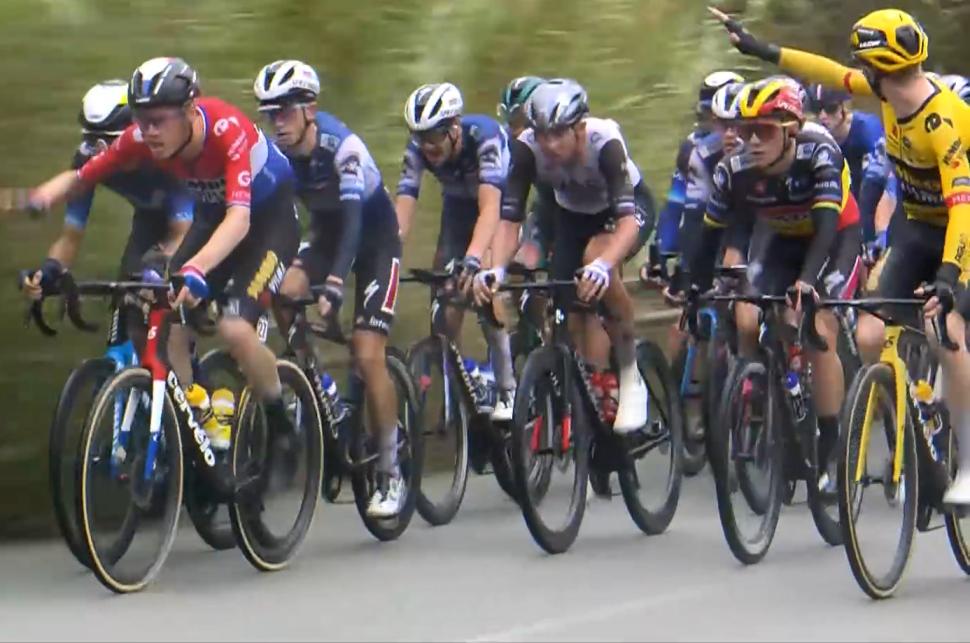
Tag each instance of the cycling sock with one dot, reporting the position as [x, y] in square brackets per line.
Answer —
[501, 355]
[626, 357]
[828, 429]
[388, 452]
[962, 427]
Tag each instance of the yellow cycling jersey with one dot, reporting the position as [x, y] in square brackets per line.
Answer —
[928, 149]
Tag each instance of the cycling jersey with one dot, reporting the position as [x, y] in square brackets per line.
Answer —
[146, 189]
[669, 221]
[484, 159]
[864, 149]
[340, 184]
[928, 149]
[237, 165]
[603, 180]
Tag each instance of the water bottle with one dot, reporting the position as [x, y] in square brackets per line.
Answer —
[329, 387]
[488, 383]
[478, 385]
[929, 415]
[794, 387]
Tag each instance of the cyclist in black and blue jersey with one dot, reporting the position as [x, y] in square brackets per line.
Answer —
[339, 183]
[163, 211]
[669, 220]
[862, 139]
[469, 155]
[959, 85]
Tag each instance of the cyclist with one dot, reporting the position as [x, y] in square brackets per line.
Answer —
[670, 222]
[340, 184]
[245, 226]
[469, 156]
[959, 85]
[162, 209]
[538, 229]
[605, 214]
[927, 133]
[863, 143]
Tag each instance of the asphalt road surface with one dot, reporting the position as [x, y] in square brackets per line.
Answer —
[482, 578]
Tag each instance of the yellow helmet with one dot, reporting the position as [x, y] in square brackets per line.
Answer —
[889, 40]
[771, 98]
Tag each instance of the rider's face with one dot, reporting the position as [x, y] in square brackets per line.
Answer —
[518, 122]
[438, 145]
[561, 144]
[832, 116]
[764, 140]
[288, 122]
[164, 129]
[729, 136]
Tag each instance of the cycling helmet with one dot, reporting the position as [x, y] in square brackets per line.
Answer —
[286, 82]
[557, 103]
[163, 81]
[104, 109]
[713, 82]
[516, 93]
[431, 106]
[820, 96]
[889, 40]
[724, 103]
[771, 98]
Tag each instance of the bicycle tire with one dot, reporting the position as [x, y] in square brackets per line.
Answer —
[90, 374]
[854, 411]
[412, 466]
[954, 528]
[662, 403]
[542, 363]
[425, 356]
[748, 550]
[266, 551]
[501, 459]
[100, 564]
[694, 456]
[828, 527]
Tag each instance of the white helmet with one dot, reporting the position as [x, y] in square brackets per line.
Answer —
[724, 103]
[286, 81]
[105, 110]
[560, 102]
[959, 85]
[430, 106]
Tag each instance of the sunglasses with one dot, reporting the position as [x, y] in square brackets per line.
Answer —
[273, 112]
[434, 137]
[764, 130]
[831, 109]
[157, 118]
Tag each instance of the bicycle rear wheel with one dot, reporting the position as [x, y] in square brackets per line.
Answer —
[956, 519]
[410, 456]
[747, 460]
[129, 483]
[445, 416]
[691, 409]
[651, 484]
[549, 427]
[866, 459]
[73, 407]
[273, 513]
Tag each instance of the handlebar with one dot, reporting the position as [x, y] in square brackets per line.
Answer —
[330, 330]
[438, 278]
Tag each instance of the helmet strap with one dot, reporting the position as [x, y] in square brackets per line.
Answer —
[455, 140]
[789, 142]
[188, 140]
[306, 128]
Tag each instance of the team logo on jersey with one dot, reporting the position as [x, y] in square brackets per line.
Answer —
[961, 182]
[933, 122]
[804, 151]
[952, 156]
[245, 178]
[222, 125]
[269, 275]
[329, 142]
[370, 291]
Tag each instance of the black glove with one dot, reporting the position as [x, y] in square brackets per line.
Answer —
[335, 295]
[469, 266]
[945, 285]
[51, 272]
[751, 46]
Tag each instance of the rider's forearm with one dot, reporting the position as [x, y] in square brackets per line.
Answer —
[405, 206]
[66, 248]
[223, 241]
[59, 188]
[489, 205]
[884, 211]
[627, 231]
[505, 243]
[176, 232]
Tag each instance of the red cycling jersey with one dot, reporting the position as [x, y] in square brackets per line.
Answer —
[233, 152]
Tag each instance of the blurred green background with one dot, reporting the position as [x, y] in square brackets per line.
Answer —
[641, 61]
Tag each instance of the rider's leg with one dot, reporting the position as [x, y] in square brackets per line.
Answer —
[956, 383]
[369, 348]
[296, 285]
[828, 383]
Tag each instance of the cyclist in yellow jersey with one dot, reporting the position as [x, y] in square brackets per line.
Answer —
[927, 136]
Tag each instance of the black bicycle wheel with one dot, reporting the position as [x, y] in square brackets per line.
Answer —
[749, 448]
[410, 456]
[550, 425]
[73, 406]
[446, 417]
[271, 516]
[877, 573]
[694, 449]
[651, 484]
[128, 511]
[501, 459]
[824, 507]
[217, 369]
[957, 527]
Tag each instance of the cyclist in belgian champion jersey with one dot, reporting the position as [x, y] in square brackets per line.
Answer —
[245, 227]
[927, 136]
[605, 215]
[162, 208]
[469, 156]
[341, 186]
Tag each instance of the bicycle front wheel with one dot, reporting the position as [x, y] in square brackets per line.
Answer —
[129, 482]
[877, 548]
[273, 513]
[550, 434]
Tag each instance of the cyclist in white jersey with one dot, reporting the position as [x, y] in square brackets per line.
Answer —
[605, 215]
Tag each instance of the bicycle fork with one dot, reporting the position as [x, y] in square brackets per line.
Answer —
[890, 355]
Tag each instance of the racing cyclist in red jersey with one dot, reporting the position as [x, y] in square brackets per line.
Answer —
[245, 226]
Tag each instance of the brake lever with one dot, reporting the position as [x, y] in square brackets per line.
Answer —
[72, 304]
[809, 330]
[939, 322]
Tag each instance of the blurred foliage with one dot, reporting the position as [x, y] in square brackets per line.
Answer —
[639, 59]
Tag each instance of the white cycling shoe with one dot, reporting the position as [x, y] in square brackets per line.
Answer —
[503, 406]
[958, 493]
[631, 412]
[387, 503]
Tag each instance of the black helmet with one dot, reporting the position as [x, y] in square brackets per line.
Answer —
[163, 81]
[104, 109]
